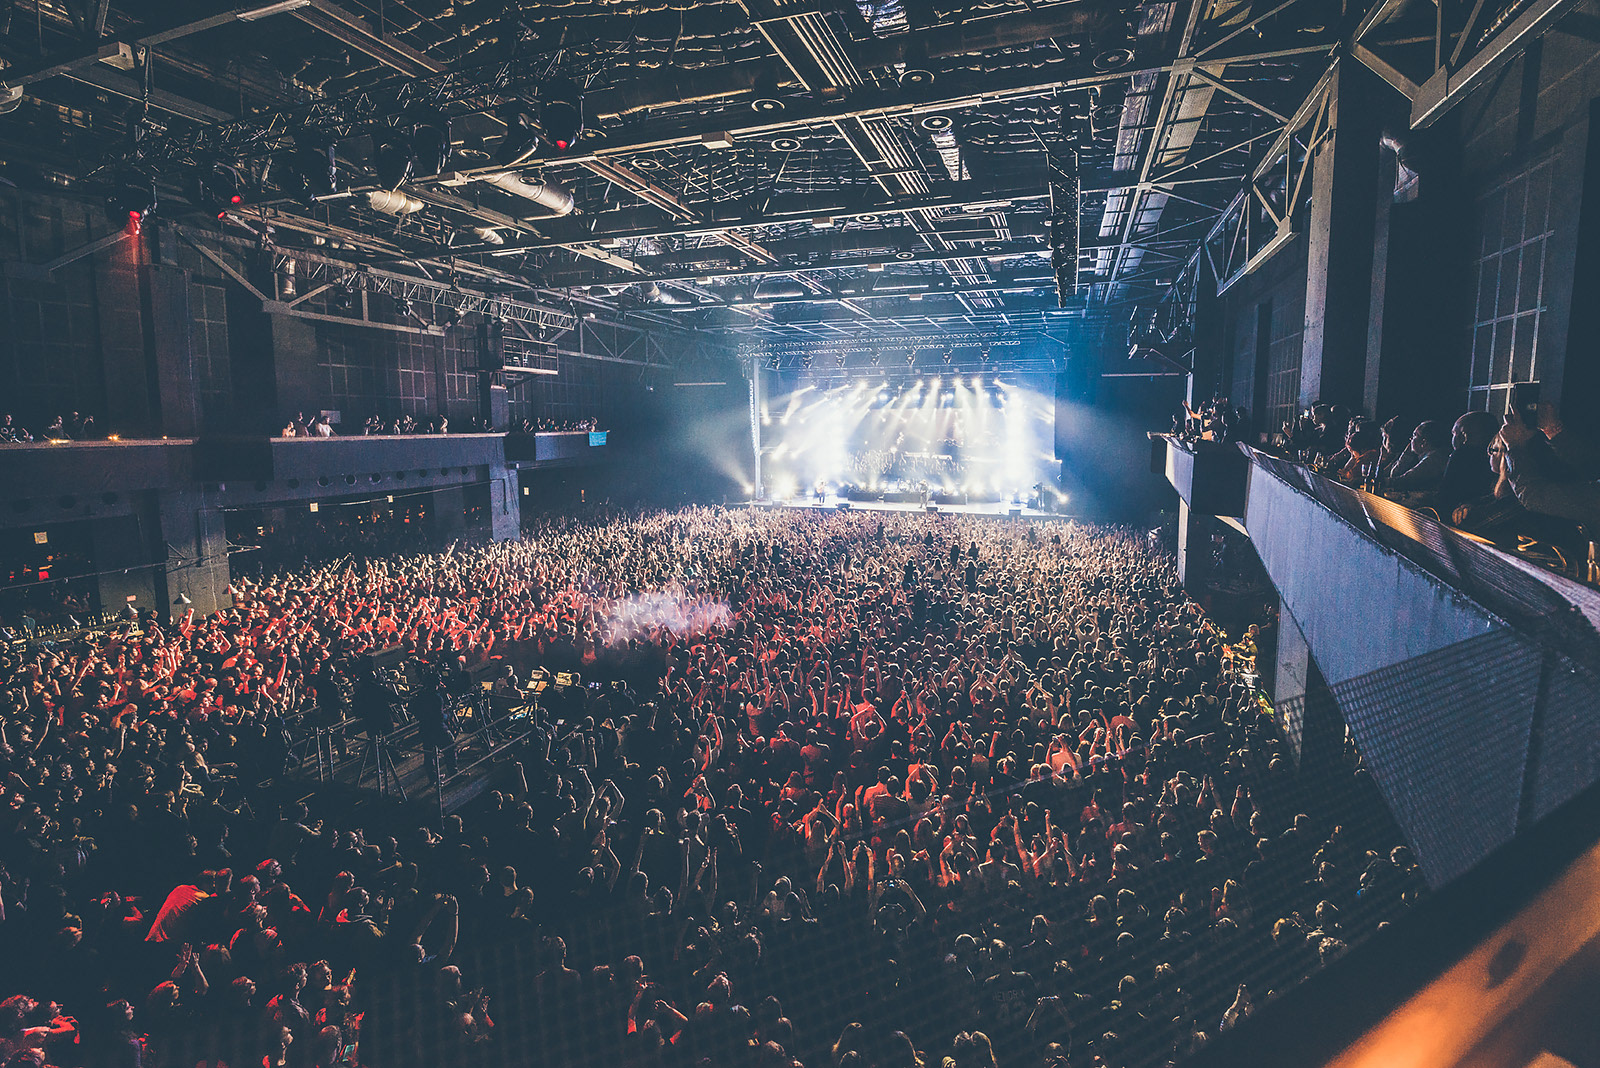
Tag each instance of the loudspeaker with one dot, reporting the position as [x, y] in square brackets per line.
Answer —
[843, 506]
[495, 407]
[933, 507]
[1016, 513]
[491, 346]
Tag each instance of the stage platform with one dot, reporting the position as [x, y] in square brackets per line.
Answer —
[995, 509]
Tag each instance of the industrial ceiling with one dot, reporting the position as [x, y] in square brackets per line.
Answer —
[779, 174]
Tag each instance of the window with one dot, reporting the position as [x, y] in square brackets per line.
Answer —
[1514, 227]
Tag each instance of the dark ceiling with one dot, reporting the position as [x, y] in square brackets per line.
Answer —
[778, 172]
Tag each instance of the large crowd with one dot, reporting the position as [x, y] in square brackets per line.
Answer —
[863, 789]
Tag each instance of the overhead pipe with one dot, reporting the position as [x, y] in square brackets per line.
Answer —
[547, 195]
[394, 202]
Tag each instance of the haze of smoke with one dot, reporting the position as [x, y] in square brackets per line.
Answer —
[646, 612]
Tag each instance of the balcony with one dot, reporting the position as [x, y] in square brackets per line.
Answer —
[1468, 677]
[567, 448]
[1208, 475]
[93, 468]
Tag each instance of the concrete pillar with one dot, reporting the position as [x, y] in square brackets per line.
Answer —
[123, 542]
[1308, 712]
[449, 512]
[1340, 252]
[1194, 548]
[505, 504]
[197, 555]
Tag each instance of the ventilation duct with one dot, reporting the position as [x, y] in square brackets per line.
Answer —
[651, 293]
[393, 202]
[489, 235]
[547, 195]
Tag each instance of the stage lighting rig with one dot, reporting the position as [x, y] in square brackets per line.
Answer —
[561, 113]
[1063, 223]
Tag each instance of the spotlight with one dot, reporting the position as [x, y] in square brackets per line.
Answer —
[131, 199]
[394, 156]
[520, 141]
[561, 113]
[314, 171]
[430, 141]
[217, 190]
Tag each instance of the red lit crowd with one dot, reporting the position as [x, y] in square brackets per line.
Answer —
[869, 790]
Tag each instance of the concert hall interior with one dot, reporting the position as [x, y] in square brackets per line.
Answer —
[799, 533]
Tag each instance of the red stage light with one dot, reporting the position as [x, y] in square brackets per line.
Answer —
[236, 199]
[561, 146]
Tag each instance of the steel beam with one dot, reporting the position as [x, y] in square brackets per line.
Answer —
[351, 29]
[28, 75]
[1441, 91]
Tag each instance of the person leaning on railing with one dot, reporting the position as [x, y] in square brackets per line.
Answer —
[1551, 470]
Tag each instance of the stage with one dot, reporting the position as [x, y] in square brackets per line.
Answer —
[994, 509]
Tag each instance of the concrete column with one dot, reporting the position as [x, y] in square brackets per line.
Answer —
[505, 504]
[1194, 548]
[125, 542]
[1340, 253]
[197, 555]
[1307, 709]
[449, 512]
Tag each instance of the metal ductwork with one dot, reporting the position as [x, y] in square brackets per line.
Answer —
[394, 202]
[651, 293]
[547, 195]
